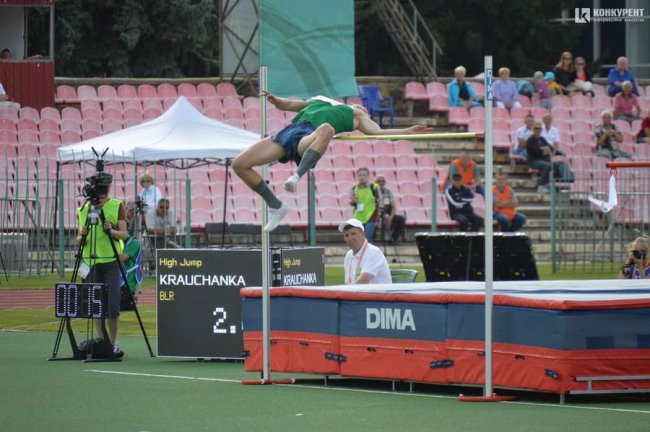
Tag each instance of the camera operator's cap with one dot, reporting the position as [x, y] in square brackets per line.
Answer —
[351, 222]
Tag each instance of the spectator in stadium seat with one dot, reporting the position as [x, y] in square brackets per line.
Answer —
[389, 219]
[461, 93]
[522, 135]
[551, 134]
[553, 86]
[364, 263]
[539, 157]
[4, 100]
[626, 105]
[468, 171]
[304, 141]
[619, 74]
[150, 193]
[505, 90]
[5, 54]
[638, 262]
[161, 224]
[643, 137]
[544, 91]
[459, 199]
[565, 73]
[608, 138]
[505, 205]
[366, 198]
[583, 77]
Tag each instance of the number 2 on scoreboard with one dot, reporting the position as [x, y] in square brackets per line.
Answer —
[219, 312]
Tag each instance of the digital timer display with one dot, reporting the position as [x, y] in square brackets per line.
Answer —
[80, 300]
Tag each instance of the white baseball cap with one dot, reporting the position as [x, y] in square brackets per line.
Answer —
[351, 222]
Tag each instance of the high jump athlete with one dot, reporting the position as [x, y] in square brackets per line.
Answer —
[304, 141]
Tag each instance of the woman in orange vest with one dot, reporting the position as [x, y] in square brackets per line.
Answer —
[505, 203]
[469, 172]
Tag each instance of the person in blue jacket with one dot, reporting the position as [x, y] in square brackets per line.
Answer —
[461, 92]
[618, 75]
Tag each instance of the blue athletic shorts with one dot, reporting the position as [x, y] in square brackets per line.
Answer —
[289, 137]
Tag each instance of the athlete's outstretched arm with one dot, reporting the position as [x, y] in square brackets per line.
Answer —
[285, 104]
[369, 127]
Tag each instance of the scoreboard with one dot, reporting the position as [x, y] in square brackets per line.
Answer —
[198, 302]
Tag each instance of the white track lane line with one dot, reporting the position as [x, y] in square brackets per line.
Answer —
[380, 392]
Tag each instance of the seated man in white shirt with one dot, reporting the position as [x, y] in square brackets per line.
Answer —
[160, 223]
[364, 263]
[551, 134]
[522, 135]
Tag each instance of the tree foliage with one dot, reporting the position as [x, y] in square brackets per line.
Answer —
[519, 35]
[142, 38]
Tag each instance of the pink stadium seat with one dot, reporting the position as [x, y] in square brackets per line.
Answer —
[383, 147]
[383, 161]
[167, 103]
[501, 139]
[132, 104]
[213, 103]
[581, 115]
[70, 137]
[389, 174]
[583, 137]
[581, 101]
[518, 114]
[406, 161]
[477, 112]
[8, 137]
[581, 126]
[50, 113]
[417, 216]
[538, 112]
[66, 94]
[438, 103]
[561, 101]
[623, 126]
[501, 124]
[253, 113]
[252, 124]
[25, 124]
[70, 125]
[214, 113]
[27, 136]
[29, 113]
[196, 102]
[48, 124]
[344, 174]
[127, 91]
[458, 116]
[329, 216]
[560, 112]
[206, 90]
[403, 147]
[426, 161]
[415, 91]
[105, 91]
[132, 114]
[9, 114]
[147, 91]
[92, 113]
[50, 137]
[112, 104]
[501, 113]
[601, 103]
[252, 102]
[226, 89]
[86, 92]
[111, 125]
[152, 104]
[91, 125]
[434, 88]
[188, 90]
[233, 113]
[409, 187]
[524, 101]
[90, 104]
[238, 123]
[166, 90]
[232, 103]
[7, 125]
[112, 114]
[598, 89]
[362, 161]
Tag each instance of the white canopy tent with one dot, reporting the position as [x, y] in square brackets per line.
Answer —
[181, 136]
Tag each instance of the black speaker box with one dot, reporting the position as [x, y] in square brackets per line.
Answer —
[460, 256]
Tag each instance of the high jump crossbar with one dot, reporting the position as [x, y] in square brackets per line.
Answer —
[441, 136]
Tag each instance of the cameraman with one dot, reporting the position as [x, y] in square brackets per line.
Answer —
[638, 264]
[101, 264]
[389, 219]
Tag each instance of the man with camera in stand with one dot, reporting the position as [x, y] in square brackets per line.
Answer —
[100, 264]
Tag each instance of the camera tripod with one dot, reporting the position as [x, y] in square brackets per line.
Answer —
[94, 217]
[382, 230]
